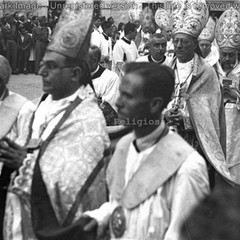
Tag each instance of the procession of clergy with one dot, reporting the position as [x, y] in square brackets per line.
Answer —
[136, 141]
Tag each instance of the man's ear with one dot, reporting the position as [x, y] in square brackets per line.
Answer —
[156, 105]
[76, 73]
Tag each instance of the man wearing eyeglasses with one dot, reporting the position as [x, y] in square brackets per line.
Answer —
[196, 110]
[67, 139]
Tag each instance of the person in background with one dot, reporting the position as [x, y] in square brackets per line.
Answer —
[29, 25]
[24, 43]
[9, 33]
[111, 20]
[121, 27]
[96, 35]
[115, 35]
[106, 45]
[209, 51]
[157, 45]
[125, 49]
[105, 82]
[164, 22]
[15, 115]
[227, 33]
[2, 42]
[40, 36]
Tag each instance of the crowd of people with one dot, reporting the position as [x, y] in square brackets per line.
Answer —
[23, 40]
[136, 135]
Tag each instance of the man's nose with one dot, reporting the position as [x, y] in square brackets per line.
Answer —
[179, 44]
[42, 71]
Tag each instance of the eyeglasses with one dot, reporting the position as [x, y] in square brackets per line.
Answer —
[51, 65]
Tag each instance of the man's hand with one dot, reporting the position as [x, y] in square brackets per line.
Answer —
[11, 154]
[174, 117]
[93, 224]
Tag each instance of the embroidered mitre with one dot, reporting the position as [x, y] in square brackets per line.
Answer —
[71, 37]
[228, 29]
[189, 16]
[208, 33]
[163, 19]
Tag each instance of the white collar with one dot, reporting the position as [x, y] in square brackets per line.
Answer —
[92, 73]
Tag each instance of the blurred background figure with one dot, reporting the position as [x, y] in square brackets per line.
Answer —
[121, 27]
[24, 42]
[164, 22]
[40, 37]
[106, 84]
[125, 49]
[227, 36]
[216, 217]
[9, 33]
[209, 51]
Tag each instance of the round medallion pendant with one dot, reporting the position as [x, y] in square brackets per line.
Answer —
[118, 222]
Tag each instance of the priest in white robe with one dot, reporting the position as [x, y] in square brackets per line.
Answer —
[155, 178]
[157, 50]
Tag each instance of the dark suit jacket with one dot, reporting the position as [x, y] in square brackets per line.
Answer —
[26, 43]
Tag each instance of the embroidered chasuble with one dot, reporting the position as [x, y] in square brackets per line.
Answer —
[65, 165]
[204, 103]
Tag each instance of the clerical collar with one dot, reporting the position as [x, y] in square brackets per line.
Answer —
[126, 40]
[150, 59]
[98, 72]
[143, 143]
[105, 36]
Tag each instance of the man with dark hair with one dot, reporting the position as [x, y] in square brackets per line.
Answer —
[216, 217]
[67, 139]
[105, 82]
[154, 177]
[125, 49]
[110, 20]
[40, 37]
[106, 45]
[24, 42]
[157, 45]
[9, 33]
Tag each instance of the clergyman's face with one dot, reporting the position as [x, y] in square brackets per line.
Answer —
[55, 75]
[228, 58]
[132, 105]
[184, 47]
[205, 47]
[158, 48]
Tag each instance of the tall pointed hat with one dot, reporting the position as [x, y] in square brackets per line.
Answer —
[163, 19]
[228, 29]
[208, 33]
[189, 16]
[71, 37]
[135, 12]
